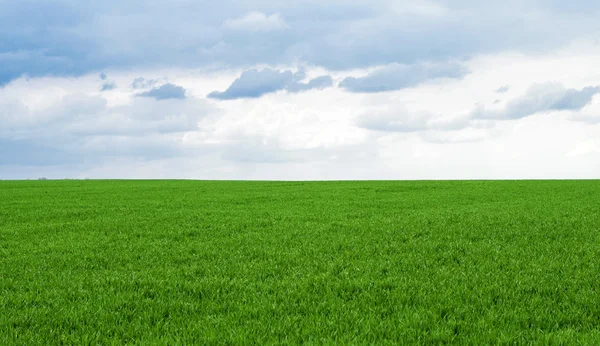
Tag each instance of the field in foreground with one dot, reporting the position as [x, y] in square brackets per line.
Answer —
[182, 262]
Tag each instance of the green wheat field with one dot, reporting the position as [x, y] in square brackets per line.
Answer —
[207, 262]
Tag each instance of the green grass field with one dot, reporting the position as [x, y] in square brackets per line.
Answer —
[190, 262]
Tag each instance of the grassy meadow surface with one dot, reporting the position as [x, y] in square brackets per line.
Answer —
[192, 262]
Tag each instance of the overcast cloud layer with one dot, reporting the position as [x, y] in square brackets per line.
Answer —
[305, 90]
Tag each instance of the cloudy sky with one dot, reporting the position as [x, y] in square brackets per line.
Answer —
[310, 89]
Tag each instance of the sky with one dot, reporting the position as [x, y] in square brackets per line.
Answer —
[303, 90]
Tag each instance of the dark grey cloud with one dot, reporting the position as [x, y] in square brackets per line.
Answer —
[398, 76]
[108, 86]
[574, 99]
[255, 83]
[321, 82]
[541, 98]
[165, 92]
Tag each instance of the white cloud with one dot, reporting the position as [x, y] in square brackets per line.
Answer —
[466, 135]
[400, 119]
[257, 22]
[422, 132]
[81, 114]
[586, 147]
